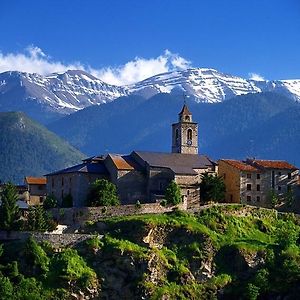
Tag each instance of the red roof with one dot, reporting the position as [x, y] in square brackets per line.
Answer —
[273, 164]
[121, 162]
[36, 180]
[240, 165]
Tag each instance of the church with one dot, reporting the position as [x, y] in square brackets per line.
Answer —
[140, 176]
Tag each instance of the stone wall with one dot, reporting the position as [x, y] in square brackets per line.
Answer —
[56, 240]
[71, 216]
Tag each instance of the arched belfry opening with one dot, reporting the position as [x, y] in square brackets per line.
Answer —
[185, 133]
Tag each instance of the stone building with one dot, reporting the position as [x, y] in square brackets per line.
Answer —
[36, 188]
[250, 181]
[140, 176]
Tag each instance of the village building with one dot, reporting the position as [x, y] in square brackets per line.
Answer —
[252, 180]
[140, 176]
[36, 190]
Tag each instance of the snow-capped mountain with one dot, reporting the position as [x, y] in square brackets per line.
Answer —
[47, 97]
[209, 85]
[62, 92]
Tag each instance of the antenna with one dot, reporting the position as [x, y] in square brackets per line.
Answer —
[184, 98]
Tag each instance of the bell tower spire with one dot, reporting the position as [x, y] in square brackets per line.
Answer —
[185, 133]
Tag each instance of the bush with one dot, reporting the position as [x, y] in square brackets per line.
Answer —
[67, 201]
[102, 193]
[50, 202]
[68, 266]
[173, 194]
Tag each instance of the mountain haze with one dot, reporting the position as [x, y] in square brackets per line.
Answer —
[247, 125]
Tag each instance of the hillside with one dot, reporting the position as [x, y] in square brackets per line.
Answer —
[29, 149]
[242, 126]
[232, 252]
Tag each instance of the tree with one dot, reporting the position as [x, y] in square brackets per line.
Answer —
[289, 197]
[38, 219]
[273, 198]
[67, 201]
[50, 202]
[9, 210]
[102, 193]
[173, 193]
[212, 188]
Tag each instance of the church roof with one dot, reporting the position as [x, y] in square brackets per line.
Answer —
[123, 162]
[185, 110]
[177, 162]
[95, 168]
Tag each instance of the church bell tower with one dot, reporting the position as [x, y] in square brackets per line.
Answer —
[185, 133]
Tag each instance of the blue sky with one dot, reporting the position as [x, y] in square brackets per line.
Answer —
[124, 41]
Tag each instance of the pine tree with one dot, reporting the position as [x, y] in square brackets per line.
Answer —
[9, 210]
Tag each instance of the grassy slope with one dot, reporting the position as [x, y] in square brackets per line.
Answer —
[224, 253]
[28, 148]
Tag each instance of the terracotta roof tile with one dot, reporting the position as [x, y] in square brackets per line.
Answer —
[274, 164]
[35, 180]
[122, 162]
[240, 165]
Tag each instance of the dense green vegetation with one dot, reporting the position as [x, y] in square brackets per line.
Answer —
[225, 252]
[212, 188]
[173, 194]
[29, 149]
[102, 193]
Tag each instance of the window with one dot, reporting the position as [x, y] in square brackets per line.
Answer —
[257, 176]
[248, 187]
[70, 180]
[289, 175]
[189, 134]
[279, 173]
[176, 134]
[258, 187]
[188, 192]
[62, 181]
[40, 187]
[52, 182]
[248, 198]
[249, 176]
[258, 198]
[160, 186]
[41, 199]
[224, 176]
[187, 118]
[279, 188]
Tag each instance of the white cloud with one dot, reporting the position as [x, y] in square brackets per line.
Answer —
[34, 60]
[255, 76]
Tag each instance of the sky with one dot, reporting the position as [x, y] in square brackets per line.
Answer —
[123, 42]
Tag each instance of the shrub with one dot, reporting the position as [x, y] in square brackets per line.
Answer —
[67, 201]
[68, 266]
[50, 202]
[173, 193]
[138, 204]
[102, 193]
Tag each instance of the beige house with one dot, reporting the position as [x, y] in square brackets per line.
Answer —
[251, 181]
[36, 189]
[140, 176]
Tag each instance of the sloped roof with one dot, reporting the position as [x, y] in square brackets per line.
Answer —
[35, 180]
[273, 164]
[177, 162]
[95, 168]
[122, 162]
[240, 165]
[185, 110]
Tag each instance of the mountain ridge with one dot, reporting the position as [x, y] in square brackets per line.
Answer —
[46, 98]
